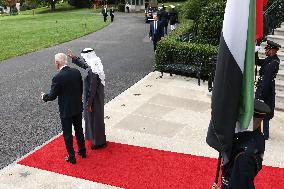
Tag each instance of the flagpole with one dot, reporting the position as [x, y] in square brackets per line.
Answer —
[215, 184]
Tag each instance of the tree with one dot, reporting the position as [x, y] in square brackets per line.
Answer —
[10, 3]
[52, 3]
[32, 3]
[81, 3]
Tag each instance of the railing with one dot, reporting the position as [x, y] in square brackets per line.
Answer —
[186, 37]
[273, 17]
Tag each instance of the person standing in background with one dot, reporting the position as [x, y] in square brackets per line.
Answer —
[156, 31]
[127, 7]
[173, 17]
[104, 13]
[111, 12]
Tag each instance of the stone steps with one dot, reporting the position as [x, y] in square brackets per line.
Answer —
[279, 84]
[277, 39]
[279, 106]
[279, 98]
[280, 75]
[279, 31]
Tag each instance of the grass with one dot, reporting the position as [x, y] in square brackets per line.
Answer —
[27, 33]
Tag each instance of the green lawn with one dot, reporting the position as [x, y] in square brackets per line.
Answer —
[26, 33]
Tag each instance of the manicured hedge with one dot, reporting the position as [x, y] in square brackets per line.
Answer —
[170, 48]
[192, 8]
[209, 25]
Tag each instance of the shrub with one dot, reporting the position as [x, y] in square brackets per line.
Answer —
[14, 11]
[81, 3]
[164, 1]
[169, 48]
[121, 7]
[209, 24]
[192, 8]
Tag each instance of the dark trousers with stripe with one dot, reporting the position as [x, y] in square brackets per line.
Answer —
[67, 133]
[243, 173]
[246, 161]
[105, 18]
[266, 127]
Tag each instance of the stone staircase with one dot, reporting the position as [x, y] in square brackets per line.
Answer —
[278, 37]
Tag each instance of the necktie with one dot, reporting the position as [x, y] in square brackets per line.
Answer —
[155, 26]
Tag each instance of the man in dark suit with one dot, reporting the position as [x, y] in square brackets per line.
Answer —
[164, 17]
[156, 31]
[104, 13]
[111, 12]
[67, 85]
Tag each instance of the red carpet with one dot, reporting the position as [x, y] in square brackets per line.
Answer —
[135, 167]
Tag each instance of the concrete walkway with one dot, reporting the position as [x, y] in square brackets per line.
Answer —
[169, 113]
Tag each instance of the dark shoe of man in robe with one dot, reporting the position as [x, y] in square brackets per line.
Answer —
[82, 154]
[95, 147]
[70, 159]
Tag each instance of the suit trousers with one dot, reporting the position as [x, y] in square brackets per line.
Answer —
[67, 133]
[155, 44]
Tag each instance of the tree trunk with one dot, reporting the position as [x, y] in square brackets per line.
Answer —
[52, 5]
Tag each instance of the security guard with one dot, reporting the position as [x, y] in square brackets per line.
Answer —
[247, 153]
[265, 86]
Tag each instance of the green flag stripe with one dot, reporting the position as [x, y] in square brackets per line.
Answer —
[247, 93]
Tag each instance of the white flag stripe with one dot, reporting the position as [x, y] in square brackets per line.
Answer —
[235, 28]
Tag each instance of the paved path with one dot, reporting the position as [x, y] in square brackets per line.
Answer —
[26, 122]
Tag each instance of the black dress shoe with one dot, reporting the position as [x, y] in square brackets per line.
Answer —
[82, 154]
[70, 159]
[95, 147]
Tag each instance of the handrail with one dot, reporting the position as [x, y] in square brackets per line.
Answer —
[273, 17]
[272, 6]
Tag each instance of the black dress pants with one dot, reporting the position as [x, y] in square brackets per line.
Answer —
[67, 133]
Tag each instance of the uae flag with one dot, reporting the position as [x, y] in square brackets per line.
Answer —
[233, 93]
[259, 19]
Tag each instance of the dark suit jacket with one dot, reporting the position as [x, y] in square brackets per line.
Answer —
[67, 85]
[266, 82]
[159, 32]
[104, 12]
